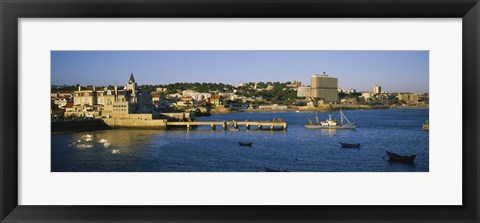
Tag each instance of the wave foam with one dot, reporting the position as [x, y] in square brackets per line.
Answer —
[84, 146]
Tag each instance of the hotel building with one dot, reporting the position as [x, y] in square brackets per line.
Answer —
[324, 86]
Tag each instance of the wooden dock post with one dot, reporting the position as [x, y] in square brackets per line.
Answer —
[271, 126]
[259, 126]
[213, 126]
[224, 126]
[247, 126]
[235, 125]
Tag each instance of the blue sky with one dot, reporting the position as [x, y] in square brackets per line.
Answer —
[395, 71]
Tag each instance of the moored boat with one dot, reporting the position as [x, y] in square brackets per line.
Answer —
[245, 143]
[274, 170]
[393, 157]
[426, 125]
[331, 123]
[350, 145]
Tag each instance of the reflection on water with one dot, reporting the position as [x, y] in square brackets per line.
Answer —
[328, 132]
[205, 150]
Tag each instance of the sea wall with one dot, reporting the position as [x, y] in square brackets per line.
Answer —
[220, 110]
[81, 114]
[70, 126]
[160, 124]
[175, 116]
[134, 116]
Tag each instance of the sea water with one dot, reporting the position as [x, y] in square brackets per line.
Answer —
[295, 150]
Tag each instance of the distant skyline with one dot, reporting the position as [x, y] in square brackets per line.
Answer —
[394, 71]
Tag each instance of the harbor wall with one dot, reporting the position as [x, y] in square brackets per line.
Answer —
[182, 116]
[81, 114]
[135, 121]
[220, 110]
[160, 124]
[71, 126]
[135, 116]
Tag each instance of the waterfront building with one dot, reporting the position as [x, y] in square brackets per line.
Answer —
[376, 89]
[303, 92]
[216, 100]
[131, 89]
[109, 102]
[61, 101]
[367, 95]
[324, 86]
[69, 107]
[156, 96]
[273, 107]
[351, 91]
[238, 105]
[409, 98]
[197, 96]
[107, 96]
[144, 102]
[116, 102]
[85, 97]
[56, 93]
[185, 101]
[228, 96]
[55, 110]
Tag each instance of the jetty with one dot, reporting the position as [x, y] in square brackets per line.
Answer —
[259, 125]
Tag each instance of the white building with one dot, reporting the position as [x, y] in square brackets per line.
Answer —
[376, 89]
[303, 92]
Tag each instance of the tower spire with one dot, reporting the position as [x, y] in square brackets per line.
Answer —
[132, 79]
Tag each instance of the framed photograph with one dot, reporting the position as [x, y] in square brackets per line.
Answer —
[239, 111]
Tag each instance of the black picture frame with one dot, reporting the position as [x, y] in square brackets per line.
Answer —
[11, 11]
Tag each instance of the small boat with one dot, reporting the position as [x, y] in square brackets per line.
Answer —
[274, 170]
[233, 129]
[331, 123]
[426, 126]
[393, 157]
[245, 143]
[349, 145]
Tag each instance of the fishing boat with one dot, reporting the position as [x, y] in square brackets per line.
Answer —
[393, 157]
[245, 143]
[350, 145]
[426, 126]
[274, 170]
[331, 123]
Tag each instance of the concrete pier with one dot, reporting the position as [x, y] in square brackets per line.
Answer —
[271, 125]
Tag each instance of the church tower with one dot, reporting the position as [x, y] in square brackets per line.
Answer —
[132, 88]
